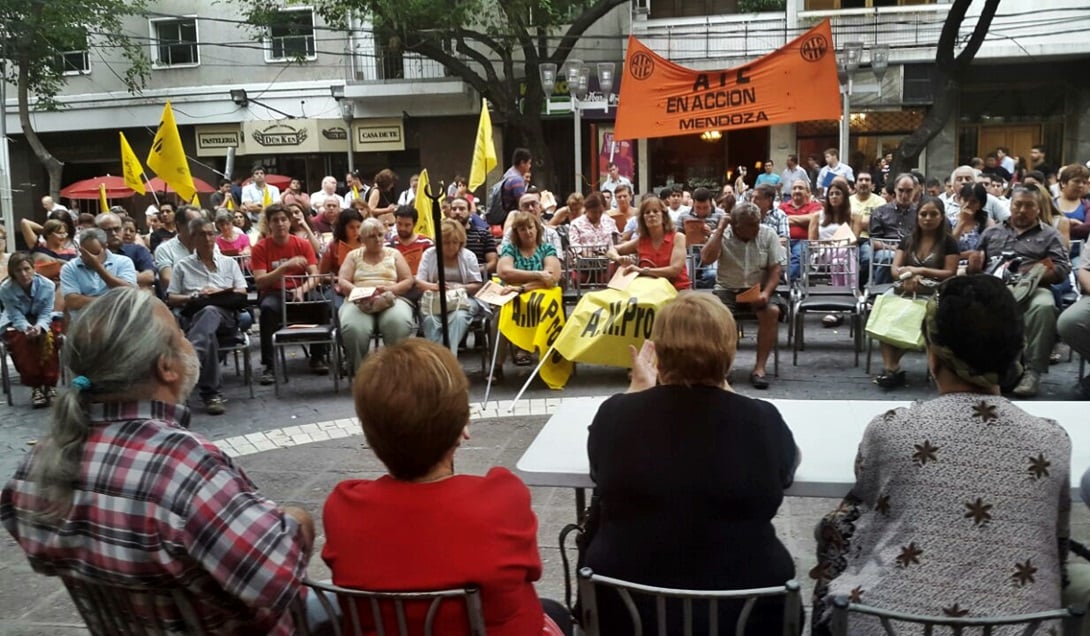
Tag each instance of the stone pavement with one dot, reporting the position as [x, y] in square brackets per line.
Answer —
[298, 446]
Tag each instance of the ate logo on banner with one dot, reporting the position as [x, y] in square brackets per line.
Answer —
[642, 66]
[814, 48]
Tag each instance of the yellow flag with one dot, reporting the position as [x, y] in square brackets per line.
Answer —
[167, 156]
[130, 166]
[422, 204]
[484, 150]
[230, 204]
[266, 197]
[196, 200]
[103, 204]
[355, 192]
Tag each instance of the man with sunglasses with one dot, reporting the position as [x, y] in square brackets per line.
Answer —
[890, 223]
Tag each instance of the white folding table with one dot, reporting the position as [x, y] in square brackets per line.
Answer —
[826, 431]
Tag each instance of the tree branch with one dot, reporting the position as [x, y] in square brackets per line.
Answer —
[460, 68]
[980, 31]
[581, 24]
[518, 28]
[477, 56]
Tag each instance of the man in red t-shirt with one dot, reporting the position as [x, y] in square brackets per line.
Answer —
[800, 208]
[278, 255]
[407, 241]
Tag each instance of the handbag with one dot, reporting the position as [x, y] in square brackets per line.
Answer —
[898, 321]
[377, 303]
[430, 304]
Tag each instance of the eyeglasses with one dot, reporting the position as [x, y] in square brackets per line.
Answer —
[905, 190]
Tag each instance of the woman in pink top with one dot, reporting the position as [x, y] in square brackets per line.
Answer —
[231, 240]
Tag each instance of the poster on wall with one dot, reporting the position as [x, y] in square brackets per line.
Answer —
[622, 152]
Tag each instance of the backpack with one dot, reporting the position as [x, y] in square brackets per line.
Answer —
[494, 212]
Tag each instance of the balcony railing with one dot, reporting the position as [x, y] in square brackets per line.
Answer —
[911, 32]
[716, 37]
[394, 66]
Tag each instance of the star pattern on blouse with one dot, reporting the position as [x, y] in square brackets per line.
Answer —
[1038, 466]
[986, 412]
[882, 505]
[1023, 573]
[909, 554]
[924, 453]
[856, 595]
[978, 512]
[955, 611]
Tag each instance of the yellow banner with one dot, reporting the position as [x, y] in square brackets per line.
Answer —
[130, 167]
[103, 204]
[532, 322]
[167, 156]
[605, 322]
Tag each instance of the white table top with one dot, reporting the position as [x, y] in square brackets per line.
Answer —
[826, 431]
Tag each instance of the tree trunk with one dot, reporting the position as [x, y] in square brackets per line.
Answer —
[53, 166]
[907, 155]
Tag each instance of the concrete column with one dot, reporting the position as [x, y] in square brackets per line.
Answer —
[643, 168]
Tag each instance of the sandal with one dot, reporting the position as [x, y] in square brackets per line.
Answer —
[758, 381]
[891, 379]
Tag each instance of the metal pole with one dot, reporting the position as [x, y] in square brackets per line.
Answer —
[437, 217]
[348, 125]
[6, 205]
[845, 119]
[578, 145]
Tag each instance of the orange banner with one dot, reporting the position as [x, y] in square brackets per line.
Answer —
[795, 83]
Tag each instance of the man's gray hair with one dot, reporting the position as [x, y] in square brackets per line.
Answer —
[106, 216]
[89, 234]
[954, 172]
[115, 344]
[745, 211]
[223, 215]
[371, 225]
[195, 225]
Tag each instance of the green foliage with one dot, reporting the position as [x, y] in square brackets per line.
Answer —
[36, 32]
[761, 6]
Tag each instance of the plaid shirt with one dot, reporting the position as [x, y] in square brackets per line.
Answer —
[157, 506]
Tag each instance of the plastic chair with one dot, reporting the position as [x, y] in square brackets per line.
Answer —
[828, 284]
[1071, 620]
[298, 326]
[379, 606]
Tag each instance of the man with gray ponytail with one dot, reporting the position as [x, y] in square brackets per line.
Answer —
[120, 493]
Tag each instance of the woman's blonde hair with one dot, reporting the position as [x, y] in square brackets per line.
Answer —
[370, 226]
[521, 220]
[454, 231]
[695, 340]
[412, 399]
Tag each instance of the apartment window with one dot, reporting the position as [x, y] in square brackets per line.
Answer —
[290, 36]
[75, 60]
[175, 43]
[832, 5]
[691, 8]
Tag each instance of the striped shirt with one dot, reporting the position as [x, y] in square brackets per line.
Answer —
[156, 506]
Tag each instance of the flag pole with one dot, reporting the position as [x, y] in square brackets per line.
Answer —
[147, 182]
[492, 369]
[540, 363]
[436, 216]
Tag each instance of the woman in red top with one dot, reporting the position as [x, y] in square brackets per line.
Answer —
[659, 250]
[422, 527]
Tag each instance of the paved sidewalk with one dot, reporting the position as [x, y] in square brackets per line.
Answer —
[298, 446]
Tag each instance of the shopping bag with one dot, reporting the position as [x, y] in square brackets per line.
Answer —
[897, 321]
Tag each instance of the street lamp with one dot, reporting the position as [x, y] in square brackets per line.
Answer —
[577, 74]
[848, 60]
[348, 113]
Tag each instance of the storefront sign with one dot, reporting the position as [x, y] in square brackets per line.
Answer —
[281, 137]
[332, 135]
[795, 83]
[213, 141]
[375, 135]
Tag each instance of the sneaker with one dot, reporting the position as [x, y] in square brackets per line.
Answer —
[1028, 385]
[51, 393]
[318, 366]
[1057, 355]
[831, 320]
[891, 379]
[267, 377]
[215, 405]
[38, 399]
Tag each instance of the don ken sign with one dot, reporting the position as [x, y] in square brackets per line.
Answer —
[375, 135]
